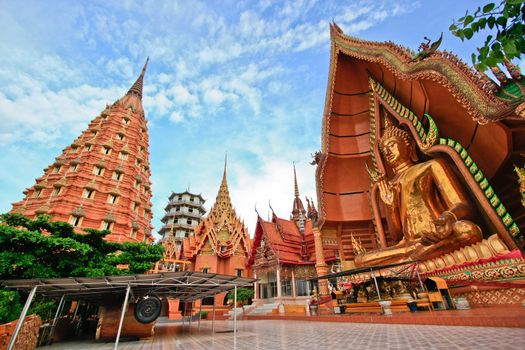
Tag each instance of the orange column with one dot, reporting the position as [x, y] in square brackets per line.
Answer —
[320, 264]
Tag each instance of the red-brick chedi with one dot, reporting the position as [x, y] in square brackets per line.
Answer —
[101, 180]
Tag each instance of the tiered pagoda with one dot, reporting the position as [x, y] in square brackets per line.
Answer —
[284, 256]
[101, 180]
[417, 159]
[183, 213]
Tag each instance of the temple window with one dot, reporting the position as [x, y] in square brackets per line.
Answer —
[135, 207]
[57, 191]
[122, 156]
[223, 248]
[87, 148]
[133, 233]
[73, 167]
[286, 287]
[188, 222]
[204, 270]
[112, 198]
[94, 132]
[106, 150]
[238, 272]
[145, 215]
[57, 169]
[302, 287]
[88, 193]
[121, 136]
[125, 121]
[37, 193]
[138, 162]
[106, 225]
[74, 149]
[98, 170]
[136, 184]
[75, 220]
[117, 175]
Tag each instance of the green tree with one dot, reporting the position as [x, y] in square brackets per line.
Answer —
[507, 19]
[243, 295]
[44, 249]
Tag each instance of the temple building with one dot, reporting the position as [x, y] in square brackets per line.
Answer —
[101, 180]
[416, 165]
[219, 244]
[283, 256]
[183, 212]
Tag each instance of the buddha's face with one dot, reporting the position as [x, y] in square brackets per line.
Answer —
[395, 150]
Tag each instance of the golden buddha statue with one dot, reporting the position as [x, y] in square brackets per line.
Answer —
[426, 207]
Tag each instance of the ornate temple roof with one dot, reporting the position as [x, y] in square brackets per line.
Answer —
[222, 230]
[287, 242]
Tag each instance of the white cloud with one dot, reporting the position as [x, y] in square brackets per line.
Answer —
[247, 79]
[176, 117]
[182, 96]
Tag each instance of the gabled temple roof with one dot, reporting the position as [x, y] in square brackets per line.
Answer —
[286, 241]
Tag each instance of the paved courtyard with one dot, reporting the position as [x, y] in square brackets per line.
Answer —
[313, 335]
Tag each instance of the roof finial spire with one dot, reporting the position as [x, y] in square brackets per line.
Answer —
[137, 87]
[296, 187]
[225, 162]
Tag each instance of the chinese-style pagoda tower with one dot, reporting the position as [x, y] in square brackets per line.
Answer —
[101, 180]
[221, 243]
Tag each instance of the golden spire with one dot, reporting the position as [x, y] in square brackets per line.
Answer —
[296, 187]
[137, 87]
[223, 201]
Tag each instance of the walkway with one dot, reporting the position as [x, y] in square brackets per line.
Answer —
[316, 335]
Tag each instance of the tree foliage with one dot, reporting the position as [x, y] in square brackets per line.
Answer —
[507, 19]
[243, 295]
[51, 249]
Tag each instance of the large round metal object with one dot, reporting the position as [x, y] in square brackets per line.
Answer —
[147, 309]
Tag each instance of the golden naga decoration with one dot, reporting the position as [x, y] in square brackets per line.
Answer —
[521, 180]
[432, 136]
[357, 246]
[427, 209]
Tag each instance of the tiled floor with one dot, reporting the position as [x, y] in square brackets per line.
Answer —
[253, 335]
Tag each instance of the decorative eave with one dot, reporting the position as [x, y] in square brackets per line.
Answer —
[468, 87]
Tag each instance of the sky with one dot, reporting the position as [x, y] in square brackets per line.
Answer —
[244, 77]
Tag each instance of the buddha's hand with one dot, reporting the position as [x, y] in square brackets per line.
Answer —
[443, 228]
[386, 191]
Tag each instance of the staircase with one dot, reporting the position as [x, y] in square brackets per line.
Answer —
[261, 309]
[240, 313]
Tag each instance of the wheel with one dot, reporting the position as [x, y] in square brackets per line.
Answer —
[147, 309]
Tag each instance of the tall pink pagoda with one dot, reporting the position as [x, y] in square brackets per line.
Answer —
[101, 180]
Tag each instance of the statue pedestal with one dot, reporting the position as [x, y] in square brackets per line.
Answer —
[385, 307]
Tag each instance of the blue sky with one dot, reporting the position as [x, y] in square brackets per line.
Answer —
[242, 77]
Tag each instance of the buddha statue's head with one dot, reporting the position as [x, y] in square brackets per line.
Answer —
[397, 147]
